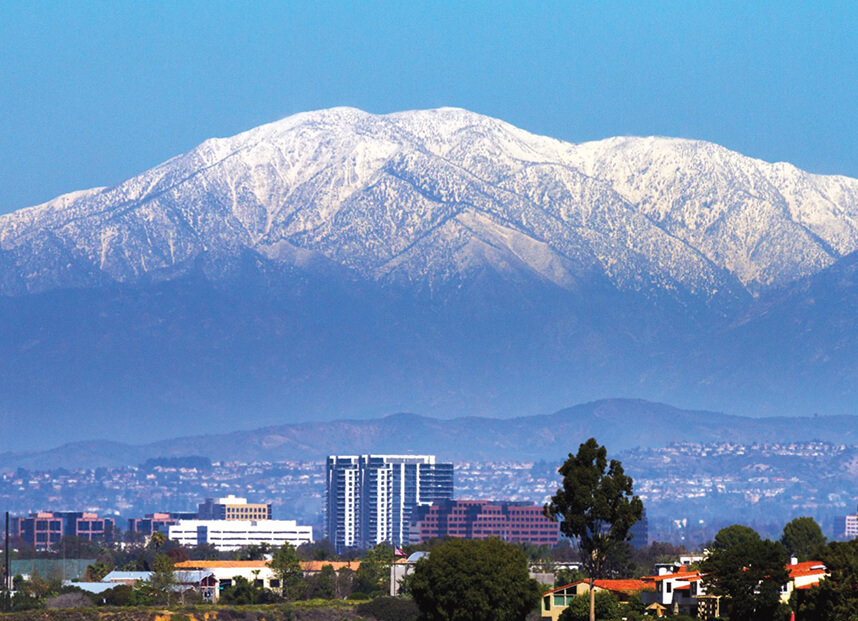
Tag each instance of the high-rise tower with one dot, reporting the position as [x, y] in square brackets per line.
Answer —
[370, 498]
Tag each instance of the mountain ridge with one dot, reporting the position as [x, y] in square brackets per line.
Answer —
[342, 263]
[620, 424]
[282, 183]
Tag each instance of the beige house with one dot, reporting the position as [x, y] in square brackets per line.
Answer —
[554, 602]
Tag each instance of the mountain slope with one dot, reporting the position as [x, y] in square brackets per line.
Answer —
[432, 195]
[338, 263]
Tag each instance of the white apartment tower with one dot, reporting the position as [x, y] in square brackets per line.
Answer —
[370, 497]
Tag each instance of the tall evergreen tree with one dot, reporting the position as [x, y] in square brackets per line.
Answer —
[596, 507]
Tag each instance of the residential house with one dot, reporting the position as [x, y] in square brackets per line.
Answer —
[554, 602]
[221, 574]
[802, 576]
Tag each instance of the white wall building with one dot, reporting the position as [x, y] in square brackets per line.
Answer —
[846, 527]
[235, 534]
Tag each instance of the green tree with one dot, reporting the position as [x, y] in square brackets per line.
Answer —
[243, 592]
[749, 571]
[836, 597]
[568, 576]
[287, 567]
[345, 580]
[253, 552]
[803, 538]
[120, 595]
[607, 607]
[733, 536]
[96, 571]
[373, 575]
[163, 579]
[323, 585]
[157, 540]
[596, 508]
[473, 580]
[322, 550]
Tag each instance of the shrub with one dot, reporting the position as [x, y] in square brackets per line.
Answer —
[390, 609]
[579, 610]
[75, 599]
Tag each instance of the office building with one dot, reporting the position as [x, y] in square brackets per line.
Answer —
[233, 508]
[152, 522]
[515, 522]
[234, 534]
[846, 527]
[44, 529]
[370, 498]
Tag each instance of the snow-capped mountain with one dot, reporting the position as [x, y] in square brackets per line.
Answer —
[431, 196]
[340, 263]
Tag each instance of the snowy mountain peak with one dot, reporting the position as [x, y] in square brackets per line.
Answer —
[436, 196]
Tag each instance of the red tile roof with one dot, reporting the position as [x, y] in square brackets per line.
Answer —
[623, 586]
[808, 568]
[221, 564]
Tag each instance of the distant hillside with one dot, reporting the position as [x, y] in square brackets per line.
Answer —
[618, 423]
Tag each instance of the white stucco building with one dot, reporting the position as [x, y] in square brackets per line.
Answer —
[235, 534]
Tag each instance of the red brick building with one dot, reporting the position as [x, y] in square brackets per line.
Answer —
[515, 522]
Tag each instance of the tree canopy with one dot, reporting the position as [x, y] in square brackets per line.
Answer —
[803, 538]
[607, 608]
[748, 570]
[373, 576]
[836, 597]
[287, 567]
[243, 592]
[163, 579]
[474, 580]
[733, 536]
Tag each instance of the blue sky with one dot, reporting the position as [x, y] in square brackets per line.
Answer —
[94, 92]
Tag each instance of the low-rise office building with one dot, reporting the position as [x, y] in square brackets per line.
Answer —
[846, 527]
[153, 522]
[235, 534]
[516, 522]
[233, 508]
[43, 530]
